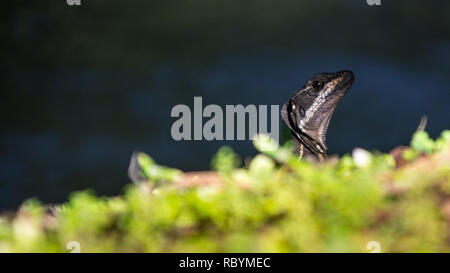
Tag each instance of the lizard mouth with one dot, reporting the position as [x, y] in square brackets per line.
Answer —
[347, 78]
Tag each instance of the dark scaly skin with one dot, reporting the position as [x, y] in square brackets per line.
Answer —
[308, 112]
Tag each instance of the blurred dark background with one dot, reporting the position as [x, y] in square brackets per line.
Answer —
[84, 86]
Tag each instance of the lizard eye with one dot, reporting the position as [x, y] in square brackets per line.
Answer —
[317, 85]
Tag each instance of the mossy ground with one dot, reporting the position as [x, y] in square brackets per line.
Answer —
[275, 204]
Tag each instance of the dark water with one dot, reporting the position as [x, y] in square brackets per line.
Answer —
[82, 89]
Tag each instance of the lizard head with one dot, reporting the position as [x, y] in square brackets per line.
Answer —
[308, 111]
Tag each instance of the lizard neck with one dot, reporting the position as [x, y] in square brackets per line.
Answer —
[308, 148]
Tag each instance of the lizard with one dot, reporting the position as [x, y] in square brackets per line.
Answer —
[308, 111]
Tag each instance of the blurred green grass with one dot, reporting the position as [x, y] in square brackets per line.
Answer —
[275, 204]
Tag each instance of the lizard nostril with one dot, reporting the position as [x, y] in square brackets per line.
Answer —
[347, 73]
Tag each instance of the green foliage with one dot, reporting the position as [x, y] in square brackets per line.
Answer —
[421, 142]
[225, 160]
[278, 204]
[154, 172]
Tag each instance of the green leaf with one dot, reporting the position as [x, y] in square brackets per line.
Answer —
[422, 142]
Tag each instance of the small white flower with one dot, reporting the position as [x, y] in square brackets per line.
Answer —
[361, 157]
[265, 143]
